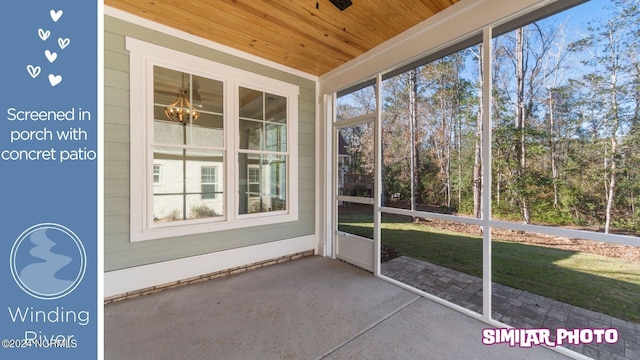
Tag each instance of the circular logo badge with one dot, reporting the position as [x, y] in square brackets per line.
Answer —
[48, 261]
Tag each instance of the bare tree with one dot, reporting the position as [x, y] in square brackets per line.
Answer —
[477, 162]
[519, 145]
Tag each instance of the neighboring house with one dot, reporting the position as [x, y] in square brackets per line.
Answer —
[203, 193]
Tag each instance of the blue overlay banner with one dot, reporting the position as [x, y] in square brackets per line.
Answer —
[49, 180]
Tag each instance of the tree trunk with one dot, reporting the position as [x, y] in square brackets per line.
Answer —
[477, 165]
[554, 165]
[612, 183]
[615, 118]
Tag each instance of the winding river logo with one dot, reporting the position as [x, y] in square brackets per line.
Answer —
[48, 261]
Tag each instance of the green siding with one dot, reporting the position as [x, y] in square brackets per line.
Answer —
[119, 252]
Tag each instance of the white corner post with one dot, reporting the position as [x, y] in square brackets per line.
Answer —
[486, 175]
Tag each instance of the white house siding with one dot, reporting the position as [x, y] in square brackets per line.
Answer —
[119, 252]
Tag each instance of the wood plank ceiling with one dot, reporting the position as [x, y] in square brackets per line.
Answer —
[293, 33]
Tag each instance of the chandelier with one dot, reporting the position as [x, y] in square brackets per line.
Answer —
[181, 110]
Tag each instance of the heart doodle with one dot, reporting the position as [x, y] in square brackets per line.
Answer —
[55, 79]
[51, 56]
[63, 43]
[55, 15]
[34, 71]
[44, 34]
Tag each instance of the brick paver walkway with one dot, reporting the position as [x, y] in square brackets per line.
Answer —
[516, 308]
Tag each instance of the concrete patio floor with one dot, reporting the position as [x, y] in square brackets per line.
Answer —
[515, 307]
[311, 308]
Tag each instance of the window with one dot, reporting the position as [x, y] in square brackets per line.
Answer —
[209, 181]
[262, 152]
[210, 145]
[157, 174]
[188, 134]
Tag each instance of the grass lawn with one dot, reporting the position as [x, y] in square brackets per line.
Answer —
[598, 283]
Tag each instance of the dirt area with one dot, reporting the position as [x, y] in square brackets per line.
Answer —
[626, 252]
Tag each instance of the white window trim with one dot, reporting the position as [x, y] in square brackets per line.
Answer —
[142, 57]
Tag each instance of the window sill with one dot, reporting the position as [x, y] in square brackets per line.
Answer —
[194, 227]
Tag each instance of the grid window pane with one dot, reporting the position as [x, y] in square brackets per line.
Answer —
[190, 184]
[263, 182]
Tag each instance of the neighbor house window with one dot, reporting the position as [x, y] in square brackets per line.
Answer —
[212, 147]
[157, 174]
[209, 181]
